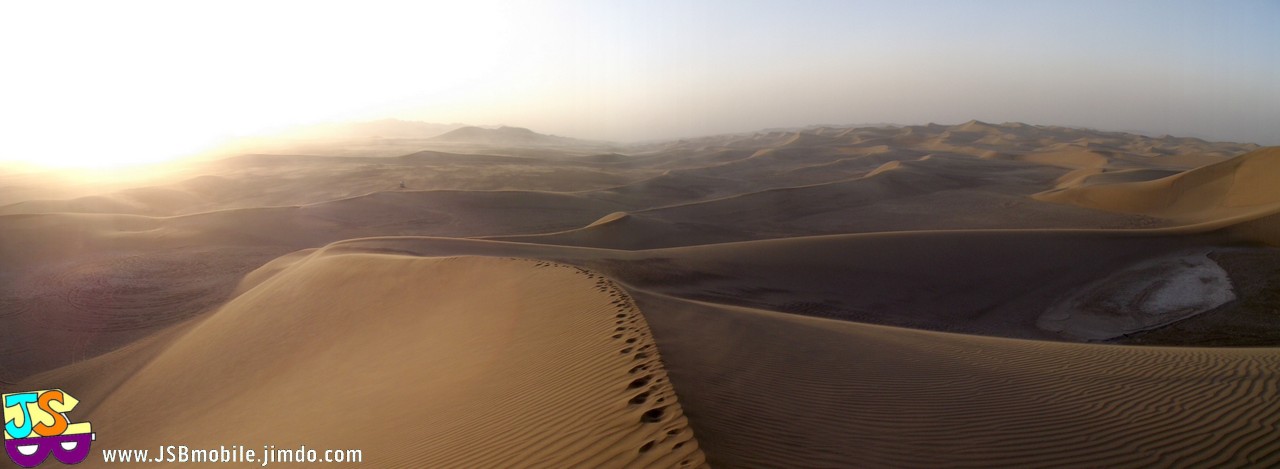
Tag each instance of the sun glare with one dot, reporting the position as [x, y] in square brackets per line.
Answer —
[147, 82]
[106, 152]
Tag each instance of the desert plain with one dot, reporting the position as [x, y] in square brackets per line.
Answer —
[968, 295]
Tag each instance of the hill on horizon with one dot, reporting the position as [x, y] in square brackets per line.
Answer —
[504, 135]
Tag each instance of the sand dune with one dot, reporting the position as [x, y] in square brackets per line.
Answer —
[952, 192]
[450, 213]
[759, 395]
[980, 282]
[555, 367]
[804, 287]
[516, 141]
[1074, 158]
[671, 187]
[1128, 175]
[78, 285]
[764, 389]
[502, 135]
[1239, 186]
[458, 212]
[878, 393]
[753, 171]
[255, 181]
[628, 231]
[116, 278]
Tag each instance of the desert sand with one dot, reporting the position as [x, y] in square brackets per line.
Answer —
[554, 367]
[968, 295]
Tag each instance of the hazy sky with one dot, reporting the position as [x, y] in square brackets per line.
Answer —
[132, 80]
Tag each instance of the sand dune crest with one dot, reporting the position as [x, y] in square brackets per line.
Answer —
[551, 366]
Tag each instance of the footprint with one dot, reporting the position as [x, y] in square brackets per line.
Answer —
[639, 399]
[653, 415]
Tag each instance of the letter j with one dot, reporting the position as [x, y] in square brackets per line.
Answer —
[21, 399]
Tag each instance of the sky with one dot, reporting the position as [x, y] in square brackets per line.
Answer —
[91, 82]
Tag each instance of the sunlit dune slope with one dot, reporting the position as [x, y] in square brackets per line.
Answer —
[419, 362]
[1243, 185]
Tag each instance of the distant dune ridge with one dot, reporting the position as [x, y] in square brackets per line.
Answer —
[501, 136]
[890, 296]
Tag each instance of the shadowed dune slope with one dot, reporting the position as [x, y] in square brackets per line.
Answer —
[980, 282]
[770, 390]
[1243, 185]
[419, 362]
[74, 286]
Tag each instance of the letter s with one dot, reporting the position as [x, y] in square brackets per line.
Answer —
[59, 420]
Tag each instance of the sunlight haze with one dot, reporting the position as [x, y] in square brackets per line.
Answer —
[111, 83]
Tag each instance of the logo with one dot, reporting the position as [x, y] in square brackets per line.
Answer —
[36, 425]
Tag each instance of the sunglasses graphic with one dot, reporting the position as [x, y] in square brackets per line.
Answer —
[67, 449]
